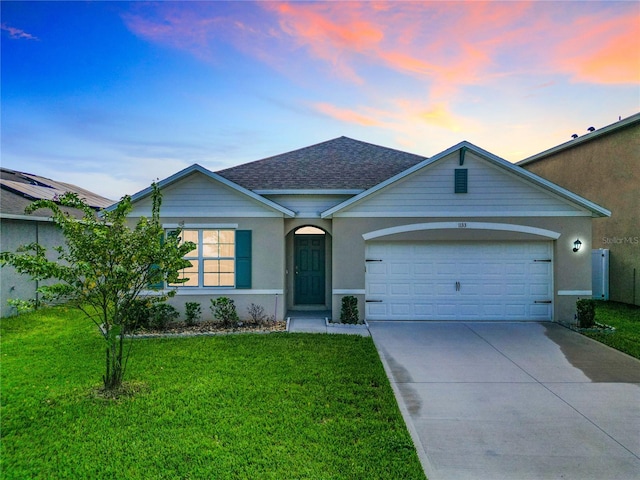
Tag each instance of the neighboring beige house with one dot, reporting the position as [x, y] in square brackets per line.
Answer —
[17, 191]
[604, 166]
[463, 235]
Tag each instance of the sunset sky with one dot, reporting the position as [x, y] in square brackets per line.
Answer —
[112, 95]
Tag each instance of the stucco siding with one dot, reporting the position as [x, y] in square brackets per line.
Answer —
[606, 170]
[491, 191]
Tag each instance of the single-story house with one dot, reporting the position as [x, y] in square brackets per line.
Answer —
[604, 166]
[17, 191]
[463, 235]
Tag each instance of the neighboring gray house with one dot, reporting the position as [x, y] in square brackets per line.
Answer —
[463, 235]
[17, 190]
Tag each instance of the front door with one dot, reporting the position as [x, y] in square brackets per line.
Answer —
[309, 270]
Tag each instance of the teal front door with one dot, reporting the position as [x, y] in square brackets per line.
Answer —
[309, 270]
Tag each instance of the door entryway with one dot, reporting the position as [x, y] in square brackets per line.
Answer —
[309, 265]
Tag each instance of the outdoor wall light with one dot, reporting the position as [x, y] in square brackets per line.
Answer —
[576, 245]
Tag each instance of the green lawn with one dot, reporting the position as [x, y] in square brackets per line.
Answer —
[279, 406]
[626, 320]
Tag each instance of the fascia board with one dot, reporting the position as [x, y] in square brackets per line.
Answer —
[12, 216]
[309, 192]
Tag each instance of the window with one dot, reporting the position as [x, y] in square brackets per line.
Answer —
[212, 261]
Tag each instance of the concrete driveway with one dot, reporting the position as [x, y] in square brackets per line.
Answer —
[513, 401]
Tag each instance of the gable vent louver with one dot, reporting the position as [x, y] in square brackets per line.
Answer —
[460, 180]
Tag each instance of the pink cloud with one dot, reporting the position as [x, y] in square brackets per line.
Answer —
[400, 115]
[179, 28]
[348, 115]
[17, 33]
[605, 51]
[446, 45]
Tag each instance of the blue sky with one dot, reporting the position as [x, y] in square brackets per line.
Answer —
[112, 95]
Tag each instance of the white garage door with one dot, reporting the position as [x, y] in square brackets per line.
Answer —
[459, 281]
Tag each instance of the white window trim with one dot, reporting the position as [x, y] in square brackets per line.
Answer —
[201, 259]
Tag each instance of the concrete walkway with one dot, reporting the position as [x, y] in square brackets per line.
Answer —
[513, 401]
[315, 322]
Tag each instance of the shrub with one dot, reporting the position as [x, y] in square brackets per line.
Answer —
[23, 306]
[161, 315]
[193, 313]
[224, 310]
[139, 313]
[349, 312]
[258, 315]
[586, 312]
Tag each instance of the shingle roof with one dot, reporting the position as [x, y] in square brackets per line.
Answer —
[338, 164]
[19, 189]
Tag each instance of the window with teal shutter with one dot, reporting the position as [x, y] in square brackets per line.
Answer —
[243, 258]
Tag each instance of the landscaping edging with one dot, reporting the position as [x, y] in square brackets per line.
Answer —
[357, 326]
[278, 327]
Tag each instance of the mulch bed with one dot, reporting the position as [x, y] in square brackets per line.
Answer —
[212, 328]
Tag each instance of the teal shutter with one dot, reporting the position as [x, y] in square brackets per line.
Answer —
[243, 258]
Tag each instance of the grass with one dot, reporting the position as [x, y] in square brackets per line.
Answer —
[626, 320]
[234, 407]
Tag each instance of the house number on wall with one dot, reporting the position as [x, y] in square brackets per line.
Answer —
[462, 225]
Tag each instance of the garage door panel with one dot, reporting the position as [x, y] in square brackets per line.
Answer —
[424, 289]
[423, 268]
[377, 310]
[446, 309]
[539, 290]
[541, 311]
[376, 268]
[424, 309]
[459, 281]
[401, 309]
[493, 310]
[493, 289]
[377, 289]
[515, 289]
[492, 268]
[401, 289]
[448, 268]
[514, 269]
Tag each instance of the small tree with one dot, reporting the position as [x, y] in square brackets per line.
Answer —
[104, 267]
